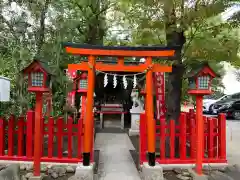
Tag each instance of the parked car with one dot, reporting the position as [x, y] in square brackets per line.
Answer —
[208, 101]
[230, 108]
[227, 101]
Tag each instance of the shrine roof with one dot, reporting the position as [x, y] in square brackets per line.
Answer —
[195, 72]
[129, 48]
[43, 64]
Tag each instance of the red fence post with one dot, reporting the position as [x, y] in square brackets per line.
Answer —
[172, 139]
[50, 137]
[10, 135]
[192, 138]
[162, 138]
[60, 137]
[210, 137]
[205, 135]
[222, 136]
[29, 133]
[215, 139]
[20, 135]
[42, 137]
[143, 138]
[79, 136]
[2, 136]
[192, 113]
[70, 133]
[183, 136]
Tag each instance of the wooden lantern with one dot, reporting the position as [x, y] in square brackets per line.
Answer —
[39, 77]
[81, 83]
[200, 80]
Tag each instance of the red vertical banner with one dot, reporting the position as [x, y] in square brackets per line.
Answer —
[159, 78]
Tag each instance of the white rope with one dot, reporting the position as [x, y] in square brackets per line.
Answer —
[113, 74]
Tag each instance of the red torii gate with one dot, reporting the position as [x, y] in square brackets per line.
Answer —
[92, 51]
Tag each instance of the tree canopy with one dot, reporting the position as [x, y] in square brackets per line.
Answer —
[37, 28]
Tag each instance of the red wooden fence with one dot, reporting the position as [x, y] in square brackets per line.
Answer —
[185, 131]
[68, 137]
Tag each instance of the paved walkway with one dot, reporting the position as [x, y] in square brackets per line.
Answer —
[115, 161]
[233, 145]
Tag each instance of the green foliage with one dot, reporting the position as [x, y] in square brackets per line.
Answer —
[40, 27]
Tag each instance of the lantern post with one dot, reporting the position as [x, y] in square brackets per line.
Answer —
[39, 81]
[80, 86]
[200, 85]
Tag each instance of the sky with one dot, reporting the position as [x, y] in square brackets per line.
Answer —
[229, 80]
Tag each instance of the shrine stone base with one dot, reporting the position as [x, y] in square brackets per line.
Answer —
[133, 132]
[152, 172]
[36, 178]
[135, 121]
[84, 172]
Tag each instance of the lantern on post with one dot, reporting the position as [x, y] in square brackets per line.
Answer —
[81, 82]
[39, 77]
[39, 81]
[80, 86]
[200, 85]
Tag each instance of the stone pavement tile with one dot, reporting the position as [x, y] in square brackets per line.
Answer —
[107, 141]
[217, 175]
[115, 161]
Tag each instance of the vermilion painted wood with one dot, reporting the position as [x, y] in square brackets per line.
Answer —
[16, 158]
[216, 137]
[143, 138]
[10, 135]
[92, 143]
[79, 136]
[50, 136]
[192, 138]
[2, 137]
[210, 137]
[76, 160]
[143, 141]
[61, 160]
[205, 143]
[42, 137]
[20, 136]
[183, 136]
[172, 139]
[192, 113]
[29, 133]
[69, 129]
[88, 120]
[118, 53]
[43, 159]
[162, 138]
[60, 137]
[222, 136]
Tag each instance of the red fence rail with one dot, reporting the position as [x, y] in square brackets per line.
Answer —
[58, 136]
[176, 142]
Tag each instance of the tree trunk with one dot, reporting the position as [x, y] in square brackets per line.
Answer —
[174, 37]
[174, 85]
[41, 33]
